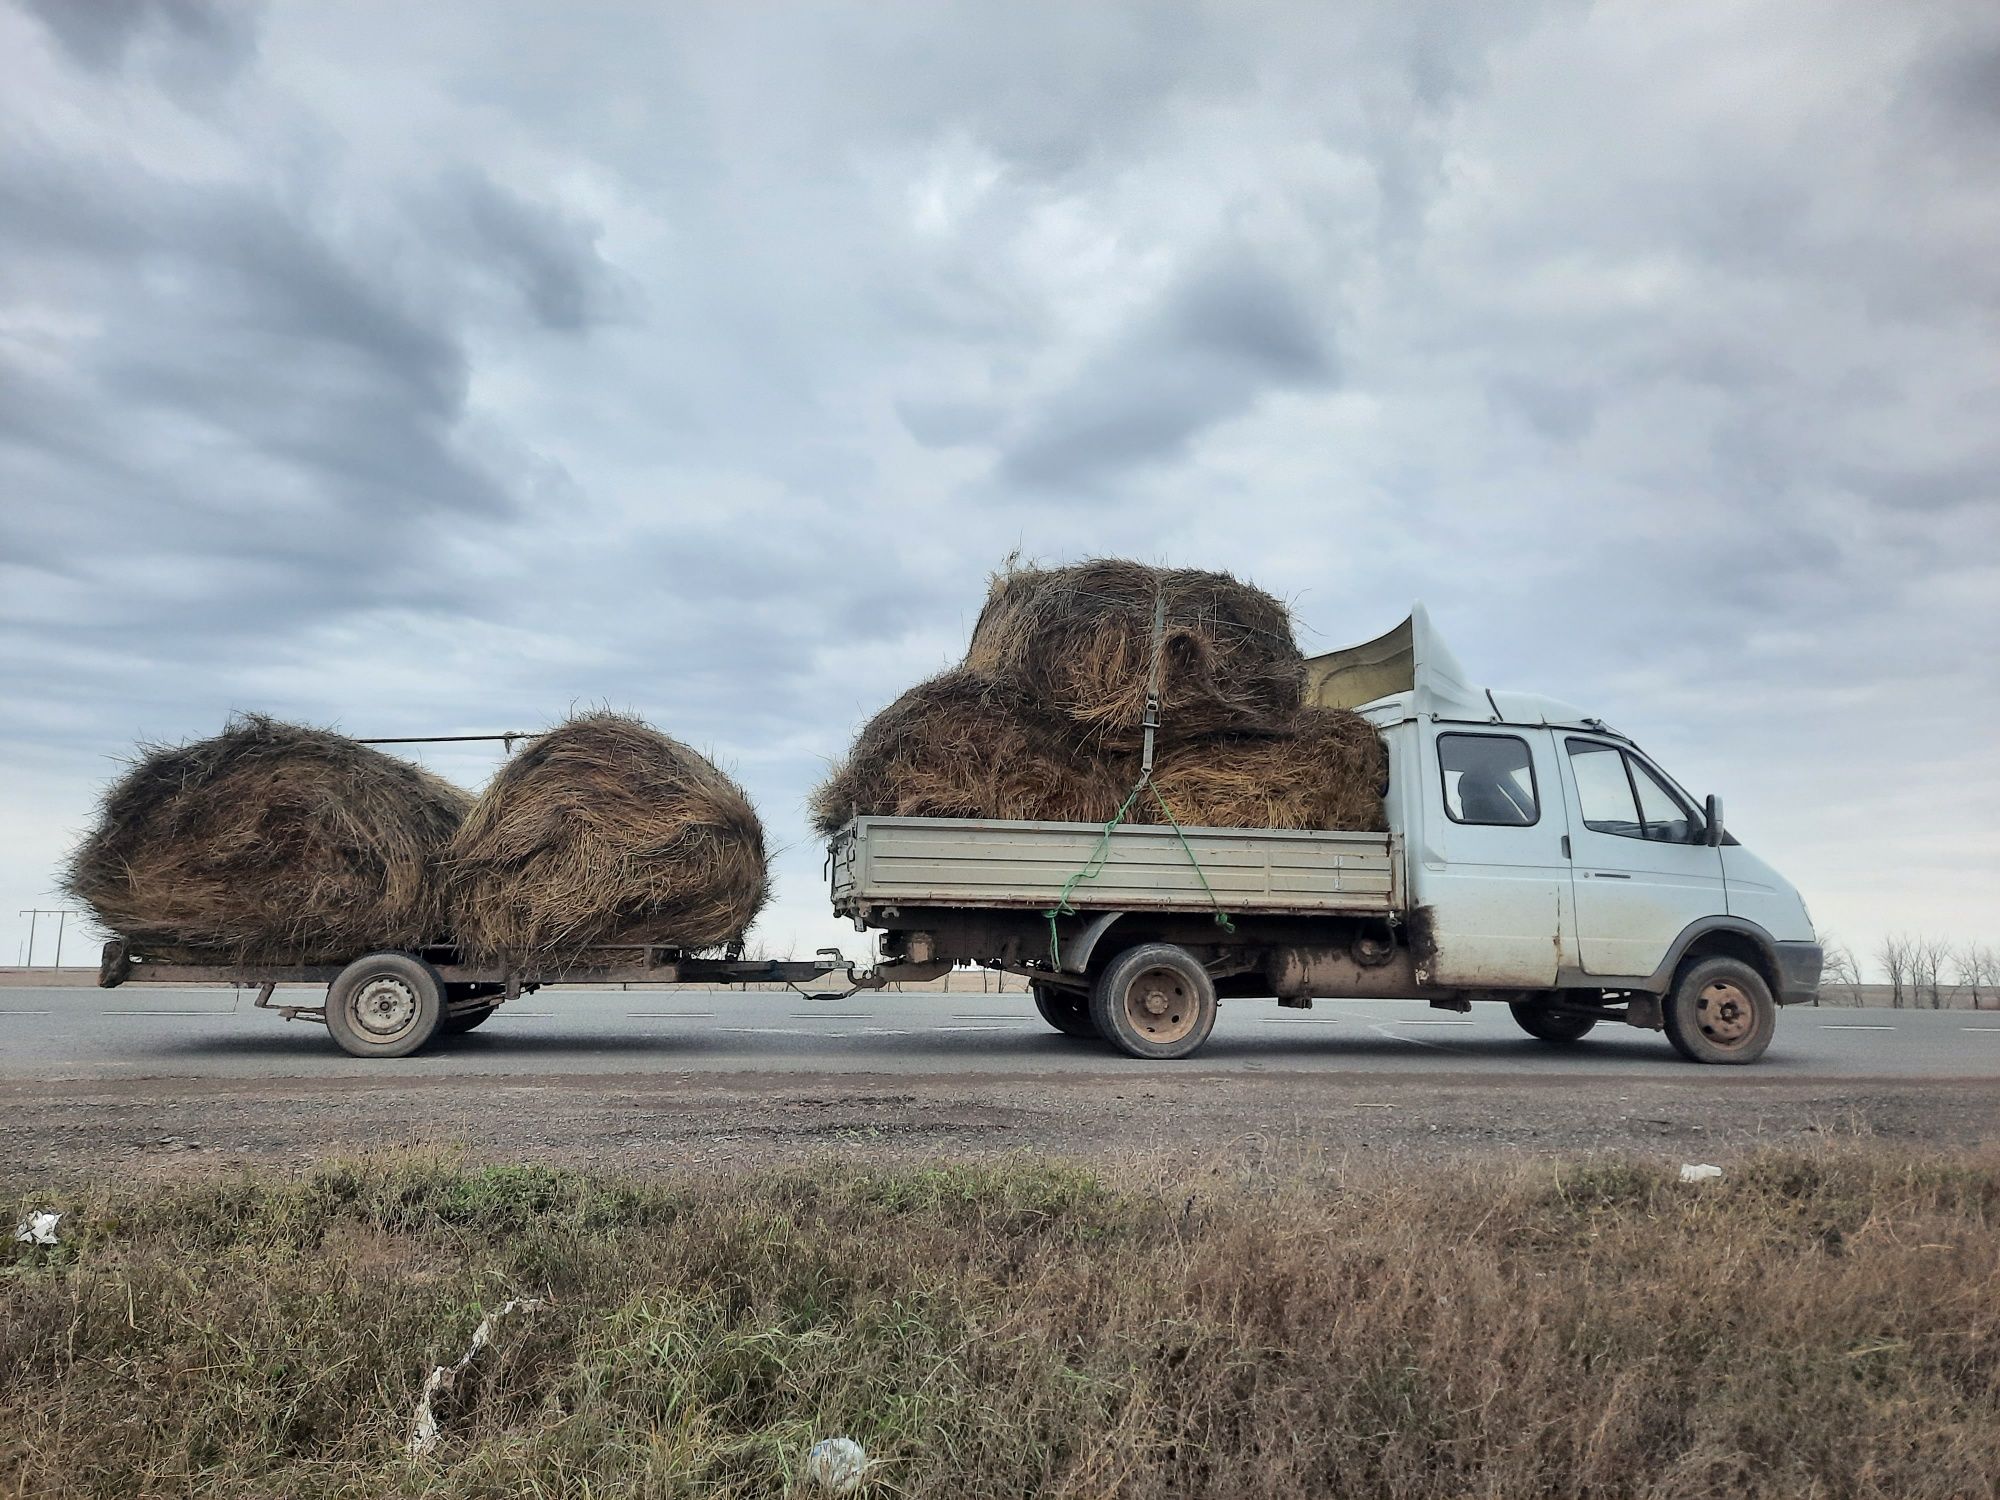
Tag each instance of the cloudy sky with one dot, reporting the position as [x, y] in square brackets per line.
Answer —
[433, 369]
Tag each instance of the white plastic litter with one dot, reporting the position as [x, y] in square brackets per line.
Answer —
[837, 1465]
[1699, 1172]
[37, 1229]
[424, 1425]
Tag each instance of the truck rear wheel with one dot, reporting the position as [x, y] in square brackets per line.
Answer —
[1541, 1021]
[385, 1005]
[1069, 1013]
[1720, 1011]
[1154, 1001]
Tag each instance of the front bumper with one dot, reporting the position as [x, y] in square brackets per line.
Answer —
[1798, 971]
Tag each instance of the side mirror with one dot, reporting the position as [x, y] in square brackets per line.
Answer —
[1713, 812]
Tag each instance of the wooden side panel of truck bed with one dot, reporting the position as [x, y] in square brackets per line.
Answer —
[985, 863]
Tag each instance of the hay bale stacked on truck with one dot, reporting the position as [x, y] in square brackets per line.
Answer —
[269, 843]
[1045, 720]
[605, 832]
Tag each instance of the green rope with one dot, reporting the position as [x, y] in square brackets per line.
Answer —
[1094, 866]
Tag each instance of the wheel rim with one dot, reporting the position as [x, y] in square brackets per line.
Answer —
[384, 1009]
[1160, 1006]
[1725, 1014]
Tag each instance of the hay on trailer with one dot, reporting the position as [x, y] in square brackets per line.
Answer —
[269, 843]
[1328, 770]
[605, 832]
[1080, 641]
[965, 746]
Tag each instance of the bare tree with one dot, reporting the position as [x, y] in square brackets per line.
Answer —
[1978, 969]
[1840, 972]
[1894, 957]
[1930, 961]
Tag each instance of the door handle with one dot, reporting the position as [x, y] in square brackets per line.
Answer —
[1609, 875]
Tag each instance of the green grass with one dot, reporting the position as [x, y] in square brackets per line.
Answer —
[1820, 1325]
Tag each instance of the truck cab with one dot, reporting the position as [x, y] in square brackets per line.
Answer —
[1544, 850]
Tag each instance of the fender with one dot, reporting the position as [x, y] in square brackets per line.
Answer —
[1661, 979]
[1077, 950]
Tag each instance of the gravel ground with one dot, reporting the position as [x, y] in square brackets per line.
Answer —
[663, 1121]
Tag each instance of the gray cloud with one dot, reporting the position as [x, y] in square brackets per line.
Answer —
[547, 259]
[1216, 341]
[438, 377]
[215, 36]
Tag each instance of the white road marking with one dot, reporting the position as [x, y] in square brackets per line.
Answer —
[23, 1012]
[1979, 1028]
[1300, 1020]
[1382, 1029]
[1428, 1022]
[670, 1015]
[978, 1028]
[167, 1012]
[1869, 1026]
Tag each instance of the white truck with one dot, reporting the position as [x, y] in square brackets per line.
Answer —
[1535, 856]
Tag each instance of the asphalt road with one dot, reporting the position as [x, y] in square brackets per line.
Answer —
[160, 1033]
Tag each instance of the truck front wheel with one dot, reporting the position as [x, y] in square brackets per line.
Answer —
[1543, 1022]
[1154, 1001]
[1068, 1013]
[1720, 1011]
[385, 1005]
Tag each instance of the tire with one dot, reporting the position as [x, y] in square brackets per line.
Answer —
[466, 1020]
[1720, 1011]
[1068, 1013]
[385, 1005]
[1154, 1001]
[1545, 1024]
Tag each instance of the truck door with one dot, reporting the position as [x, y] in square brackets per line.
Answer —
[1491, 868]
[1642, 867]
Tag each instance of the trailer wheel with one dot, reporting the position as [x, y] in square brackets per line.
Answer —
[1548, 1025]
[1068, 1013]
[385, 1005]
[1720, 1011]
[1154, 1001]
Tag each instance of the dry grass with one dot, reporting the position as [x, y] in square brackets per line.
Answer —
[1080, 639]
[965, 746]
[1815, 1325]
[269, 842]
[605, 832]
[1043, 721]
[1329, 769]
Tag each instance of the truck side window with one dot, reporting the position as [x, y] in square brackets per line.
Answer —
[1667, 819]
[1603, 789]
[1488, 778]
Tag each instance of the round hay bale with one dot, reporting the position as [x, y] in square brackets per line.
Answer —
[1329, 769]
[269, 843]
[965, 746]
[605, 832]
[1080, 641]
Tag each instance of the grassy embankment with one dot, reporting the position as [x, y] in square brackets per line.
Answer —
[1824, 1325]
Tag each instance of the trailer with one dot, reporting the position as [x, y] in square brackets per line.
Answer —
[392, 1002]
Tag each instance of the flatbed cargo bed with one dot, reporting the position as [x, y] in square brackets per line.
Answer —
[982, 863]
